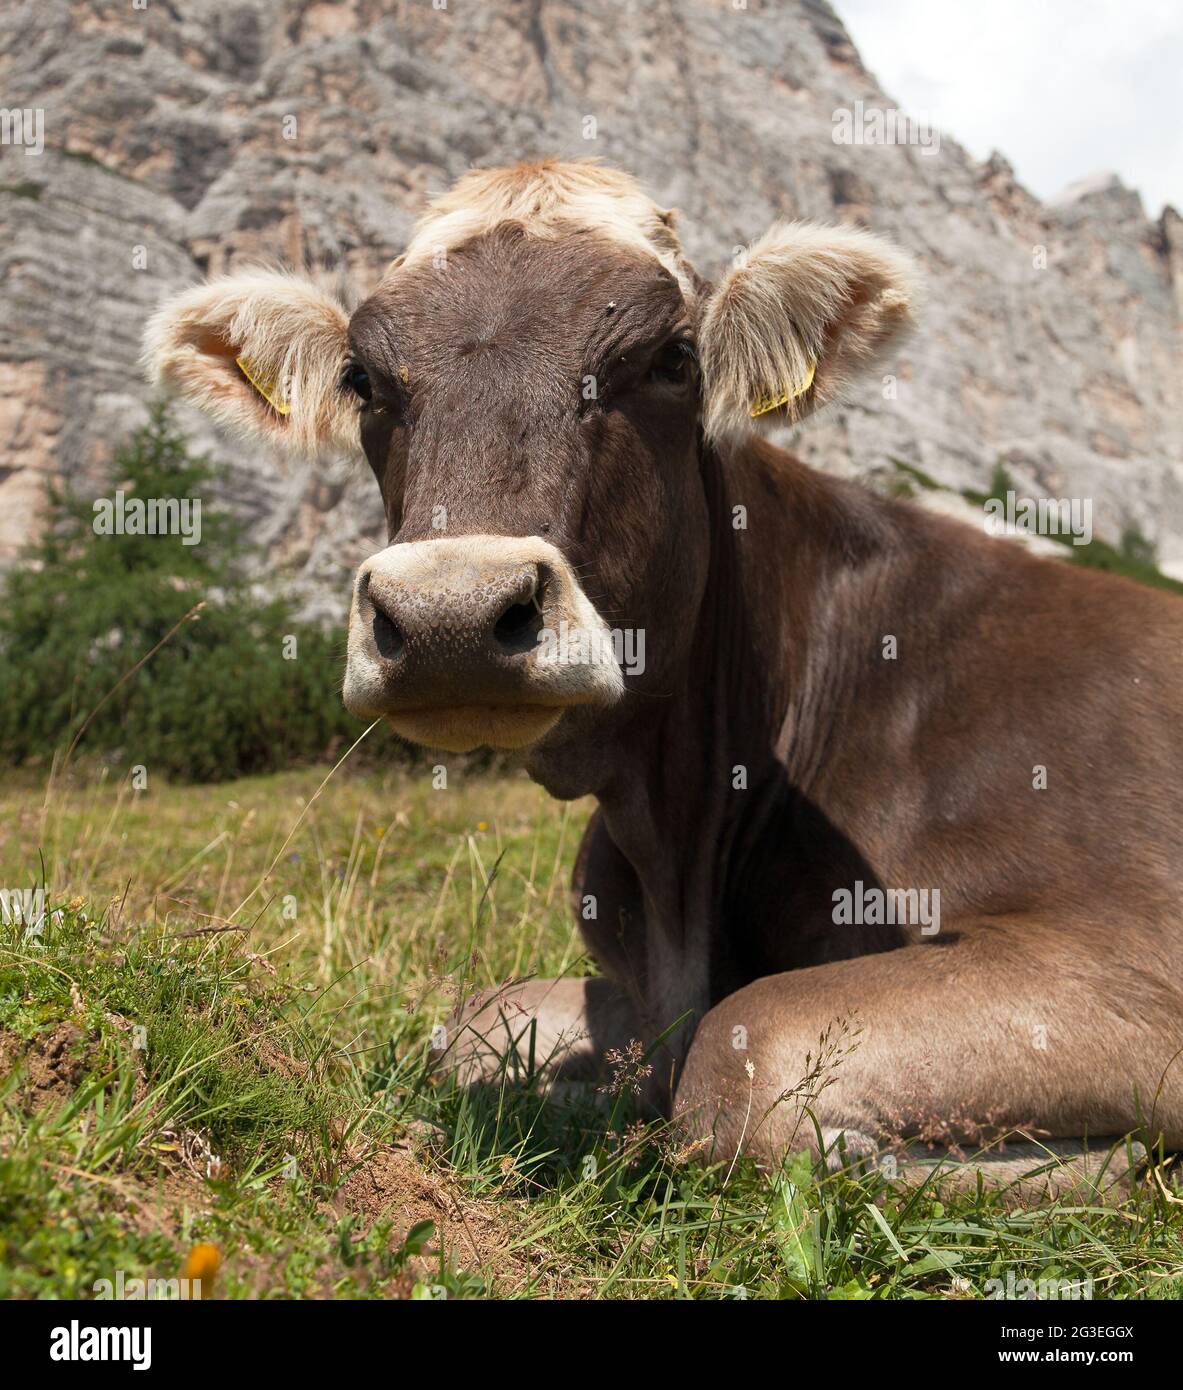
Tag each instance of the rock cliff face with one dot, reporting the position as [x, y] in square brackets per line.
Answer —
[182, 140]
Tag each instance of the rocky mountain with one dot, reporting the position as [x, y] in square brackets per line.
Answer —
[181, 140]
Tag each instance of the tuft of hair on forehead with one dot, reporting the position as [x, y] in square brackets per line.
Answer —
[549, 198]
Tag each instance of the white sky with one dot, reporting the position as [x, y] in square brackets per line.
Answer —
[1062, 88]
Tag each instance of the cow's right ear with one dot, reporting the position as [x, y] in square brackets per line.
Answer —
[800, 313]
[264, 354]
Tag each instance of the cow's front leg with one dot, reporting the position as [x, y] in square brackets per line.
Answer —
[544, 1030]
[659, 961]
[563, 1030]
[961, 1041]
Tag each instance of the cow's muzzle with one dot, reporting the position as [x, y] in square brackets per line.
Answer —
[479, 640]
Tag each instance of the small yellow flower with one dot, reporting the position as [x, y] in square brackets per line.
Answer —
[202, 1264]
[482, 825]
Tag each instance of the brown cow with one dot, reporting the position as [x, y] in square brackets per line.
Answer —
[875, 770]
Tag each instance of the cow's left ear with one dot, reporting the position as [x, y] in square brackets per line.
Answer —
[264, 354]
[801, 312]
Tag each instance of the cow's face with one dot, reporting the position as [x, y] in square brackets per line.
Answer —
[530, 385]
[531, 415]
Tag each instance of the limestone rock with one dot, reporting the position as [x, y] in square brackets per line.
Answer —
[239, 131]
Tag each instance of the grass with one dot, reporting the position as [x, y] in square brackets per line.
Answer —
[219, 1037]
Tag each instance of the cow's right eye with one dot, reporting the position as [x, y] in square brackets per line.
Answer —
[357, 379]
[673, 362]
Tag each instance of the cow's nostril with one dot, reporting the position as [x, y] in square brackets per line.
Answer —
[518, 627]
[387, 638]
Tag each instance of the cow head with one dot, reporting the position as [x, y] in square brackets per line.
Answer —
[534, 383]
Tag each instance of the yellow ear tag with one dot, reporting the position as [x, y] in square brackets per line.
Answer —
[763, 404]
[266, 388]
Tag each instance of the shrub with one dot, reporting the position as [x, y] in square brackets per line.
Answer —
[241, 687]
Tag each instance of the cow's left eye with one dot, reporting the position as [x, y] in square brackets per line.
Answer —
[357, 379]
[673, 362]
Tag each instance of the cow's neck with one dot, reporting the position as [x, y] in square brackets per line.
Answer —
[698, 770]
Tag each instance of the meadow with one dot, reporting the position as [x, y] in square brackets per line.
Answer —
[214, 1058]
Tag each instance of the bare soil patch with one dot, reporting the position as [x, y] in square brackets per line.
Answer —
[396, 1185]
